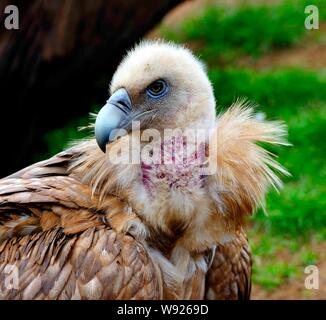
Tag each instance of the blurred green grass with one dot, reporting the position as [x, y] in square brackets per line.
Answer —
[297, 97]
[224, 34]
[274, 274]
[60, 138]
[221, 37]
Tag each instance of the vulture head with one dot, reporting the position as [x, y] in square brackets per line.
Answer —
[162, 86]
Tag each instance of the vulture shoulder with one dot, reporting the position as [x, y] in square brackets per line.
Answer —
[58, 242]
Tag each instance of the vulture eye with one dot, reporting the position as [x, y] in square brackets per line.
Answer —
[157, 89]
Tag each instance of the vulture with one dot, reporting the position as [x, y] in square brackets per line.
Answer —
[145, 208]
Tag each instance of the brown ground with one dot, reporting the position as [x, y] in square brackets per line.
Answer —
[307, 55]
[313, 57]
[295, 288]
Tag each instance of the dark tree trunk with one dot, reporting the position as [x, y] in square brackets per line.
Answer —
[51, 67]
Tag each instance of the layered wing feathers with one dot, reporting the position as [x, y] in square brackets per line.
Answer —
[59, 243]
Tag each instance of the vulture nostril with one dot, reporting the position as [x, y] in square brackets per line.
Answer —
[121, 100]
[123, 107]
[124, 104]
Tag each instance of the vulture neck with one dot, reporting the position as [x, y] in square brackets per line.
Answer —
[170, 196]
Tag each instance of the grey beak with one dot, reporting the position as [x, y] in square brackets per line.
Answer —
[117, 108]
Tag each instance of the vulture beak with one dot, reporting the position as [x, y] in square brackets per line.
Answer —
[111, 116]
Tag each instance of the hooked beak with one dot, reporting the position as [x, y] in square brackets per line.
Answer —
[110, 117]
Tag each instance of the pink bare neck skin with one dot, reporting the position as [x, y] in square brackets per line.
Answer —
[180, 166]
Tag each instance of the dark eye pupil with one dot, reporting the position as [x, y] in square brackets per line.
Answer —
[157, 86]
